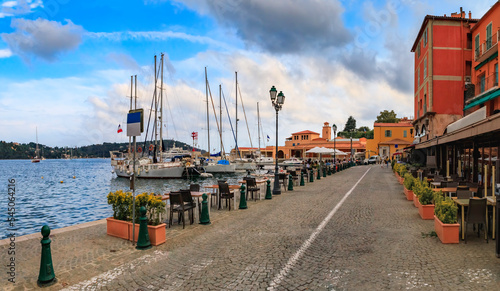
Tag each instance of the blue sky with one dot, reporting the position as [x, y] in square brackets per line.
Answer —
[65, 65]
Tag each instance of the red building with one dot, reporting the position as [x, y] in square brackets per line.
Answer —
[443, 62]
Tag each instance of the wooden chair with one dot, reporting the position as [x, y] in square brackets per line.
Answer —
[177, 205]
[476, 214]
[225, 193]
[295, 177]
[252, 187]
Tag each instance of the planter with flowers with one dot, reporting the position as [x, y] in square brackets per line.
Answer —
[425, 205]
[408, 186]
[120, 224]
[445, 219]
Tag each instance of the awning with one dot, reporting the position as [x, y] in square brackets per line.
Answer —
[483, 99]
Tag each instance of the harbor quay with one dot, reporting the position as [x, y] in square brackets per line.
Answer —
[353, 230]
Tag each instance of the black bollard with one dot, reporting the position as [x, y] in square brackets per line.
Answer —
[46, 276]
[143, 242]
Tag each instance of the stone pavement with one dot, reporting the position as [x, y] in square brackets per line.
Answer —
[374, 240]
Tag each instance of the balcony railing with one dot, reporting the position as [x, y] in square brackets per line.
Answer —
[484, 84]
[485, 49]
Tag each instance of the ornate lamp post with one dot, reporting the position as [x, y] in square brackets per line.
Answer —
[334, 127]
[277, 102]
[352, 156]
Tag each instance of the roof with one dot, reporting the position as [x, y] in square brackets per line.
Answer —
[396, 141]
[305, 132]
[401, 124]
[435, 17]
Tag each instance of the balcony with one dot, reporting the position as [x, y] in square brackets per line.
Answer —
[486, 84]
[487, 48]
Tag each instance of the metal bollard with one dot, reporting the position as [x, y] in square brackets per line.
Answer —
[143, 242]
[318, 177]
[205, 216]
[311, 176]
[243, 200]
[302, 178]
[269, 195]
[46, 275]
[324, 172]
[290, 182]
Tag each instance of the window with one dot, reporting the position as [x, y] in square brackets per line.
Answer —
[388, 133]
[425, 103]
[418, 50]
[476, 45]
[425, 68]
[418, 78]
[404, 133]
[425, 37]
[496, 74]
[482, 83]
[488, 37]
[411, 130]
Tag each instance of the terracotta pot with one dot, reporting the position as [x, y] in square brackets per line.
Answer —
[426, 211]
[447, 233]
[416, 202]
[117, 228]
[157, 233]
[409, 194]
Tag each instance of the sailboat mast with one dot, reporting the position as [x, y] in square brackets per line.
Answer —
[220, 119]
[236, 138]
[155, 125]
[130, 138]
[258, 124]
[208, 120]
[161, 108]
[135, 92]
[36, 150]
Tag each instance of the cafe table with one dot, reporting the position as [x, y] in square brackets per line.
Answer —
[450, 190]
[465, 203]
[435, 184]
[216, 188]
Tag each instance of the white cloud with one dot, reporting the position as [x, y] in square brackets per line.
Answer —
[42, 38]
[5, 53]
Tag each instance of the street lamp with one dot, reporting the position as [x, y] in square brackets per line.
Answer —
[351, 148]
[334, 127]
[277, 104]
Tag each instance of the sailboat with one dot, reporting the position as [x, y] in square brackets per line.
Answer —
[147, 166]
[36, 159]
[222, 165]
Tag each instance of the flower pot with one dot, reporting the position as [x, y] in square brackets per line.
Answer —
[157, 233]
[447, 233]
[409, 194]
[426, 211]
[117, 228]
[416, 202]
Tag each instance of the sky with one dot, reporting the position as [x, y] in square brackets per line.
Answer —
[65, 65]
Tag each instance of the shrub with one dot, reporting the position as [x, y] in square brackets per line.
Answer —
[122, 203]
[445, 209]
[426, 195]
[409, 182]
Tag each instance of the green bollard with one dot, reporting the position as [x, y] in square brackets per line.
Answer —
[318, 177]
[302, 179]
[311, 176]
[243, 200]
[143, 242]
[290, 182]
[205, 216]
[46, 276]
[269, 195]
[328, 172]
[324, 172]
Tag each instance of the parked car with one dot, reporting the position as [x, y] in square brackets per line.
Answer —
[373, 160]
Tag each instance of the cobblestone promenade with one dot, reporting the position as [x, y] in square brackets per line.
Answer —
[308, 239]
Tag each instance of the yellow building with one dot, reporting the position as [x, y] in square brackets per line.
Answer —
[390, 139]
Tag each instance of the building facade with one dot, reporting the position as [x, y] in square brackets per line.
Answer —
[390, 138]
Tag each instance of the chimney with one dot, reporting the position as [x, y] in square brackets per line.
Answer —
[445, 15]
[470, 15]
[462, 15]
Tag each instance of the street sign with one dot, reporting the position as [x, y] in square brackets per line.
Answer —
[135, 123]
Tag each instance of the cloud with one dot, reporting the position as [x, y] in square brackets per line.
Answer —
[5, 53]
[42, 38]
[19, 7]
[280, 26]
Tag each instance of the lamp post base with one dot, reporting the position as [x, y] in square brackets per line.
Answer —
[276, 191]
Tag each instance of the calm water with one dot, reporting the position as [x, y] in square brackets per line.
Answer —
[41, 198]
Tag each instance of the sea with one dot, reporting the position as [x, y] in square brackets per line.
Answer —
[62, 193]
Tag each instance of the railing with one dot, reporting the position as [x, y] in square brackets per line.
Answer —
[487, 83]
[486, 45]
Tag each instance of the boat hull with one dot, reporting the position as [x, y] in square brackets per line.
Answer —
[220, 168]
[152, 173]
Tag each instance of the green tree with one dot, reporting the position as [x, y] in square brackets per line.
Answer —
[387, 117]
[350, 125]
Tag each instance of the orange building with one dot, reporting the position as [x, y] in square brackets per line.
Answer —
[443, 63]
[390, 138]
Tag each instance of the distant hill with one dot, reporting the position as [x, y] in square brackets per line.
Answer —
[13, 150]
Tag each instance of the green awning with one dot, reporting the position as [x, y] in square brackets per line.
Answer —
[486, 61]
[486, 97]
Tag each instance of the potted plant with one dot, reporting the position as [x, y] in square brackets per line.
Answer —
[426, 206]
[417, 191]
[445, 219]
[120, 224]
[408, 186]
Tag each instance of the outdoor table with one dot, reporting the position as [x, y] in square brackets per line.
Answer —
[216, 187]
[465, 203]
[435, 184]
[450, 190]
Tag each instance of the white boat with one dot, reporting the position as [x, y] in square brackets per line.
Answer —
[222, 166]
[36, 159]
[292, 161]
[155, 166]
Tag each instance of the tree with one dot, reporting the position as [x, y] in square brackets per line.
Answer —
[387, 117]
[350, 125]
